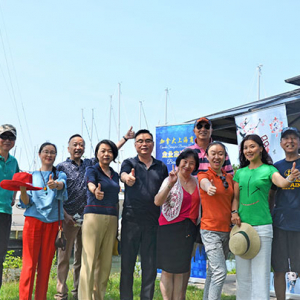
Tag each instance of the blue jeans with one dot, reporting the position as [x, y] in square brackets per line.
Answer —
[216, 247]
[253, 275]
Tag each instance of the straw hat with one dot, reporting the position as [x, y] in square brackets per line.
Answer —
[244, 241]
[19, 179]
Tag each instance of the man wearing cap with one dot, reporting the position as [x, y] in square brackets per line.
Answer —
[286, 221]
[75, 167]
[8, 167]
[203, 131]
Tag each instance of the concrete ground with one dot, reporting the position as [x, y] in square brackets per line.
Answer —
[229, 287]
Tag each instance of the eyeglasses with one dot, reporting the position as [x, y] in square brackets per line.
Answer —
[7, 137]
[206, 126]
[148, 141]
[49, 152]
[225, 183]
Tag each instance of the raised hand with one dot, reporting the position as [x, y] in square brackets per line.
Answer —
[295, 173]
[130, 180]
[130, 134]
[51, 183]
[98, 193]
[173, 176]
[211, 189]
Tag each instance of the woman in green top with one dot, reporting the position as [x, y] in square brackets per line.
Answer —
[252, 183]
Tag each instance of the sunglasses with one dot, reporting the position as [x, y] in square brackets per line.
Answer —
[206, 126]
[225, 183]
[7, 137]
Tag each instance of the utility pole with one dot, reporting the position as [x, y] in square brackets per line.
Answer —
[82, 122]
[258, 81]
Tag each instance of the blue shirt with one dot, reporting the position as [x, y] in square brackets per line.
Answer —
[287, 200]
[43, 205]
[76, 184]
[7, 170]
[109, 185]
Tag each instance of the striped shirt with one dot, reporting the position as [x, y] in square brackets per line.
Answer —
[204, 163]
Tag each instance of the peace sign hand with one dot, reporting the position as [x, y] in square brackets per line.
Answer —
[173, 176]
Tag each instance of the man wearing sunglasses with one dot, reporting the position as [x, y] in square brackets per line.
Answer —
[203, 131]
[8, 167]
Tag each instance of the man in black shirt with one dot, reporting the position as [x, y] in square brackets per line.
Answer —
[143, 176]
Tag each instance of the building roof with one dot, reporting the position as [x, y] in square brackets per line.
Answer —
[224, 122]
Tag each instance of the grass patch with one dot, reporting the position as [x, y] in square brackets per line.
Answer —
[10, 290]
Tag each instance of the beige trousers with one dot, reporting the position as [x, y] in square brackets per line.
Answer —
[73, 236]
[98, 236]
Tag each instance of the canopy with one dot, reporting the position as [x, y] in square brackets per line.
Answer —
[224, 122]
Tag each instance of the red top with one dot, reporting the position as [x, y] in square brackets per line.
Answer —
[189, 209]
[216, 210]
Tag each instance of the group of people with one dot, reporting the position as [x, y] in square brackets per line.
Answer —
[161, 215]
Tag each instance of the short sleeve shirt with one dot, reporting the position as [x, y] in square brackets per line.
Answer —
[139, 204]
[216, 209]
[254, 185]
[286, 213]
[7, 170]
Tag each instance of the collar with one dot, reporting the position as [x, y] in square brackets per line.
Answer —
[196, 145]
[139, 161]
[214, 172]
[8, 158]
[111, 171]
[73, 161]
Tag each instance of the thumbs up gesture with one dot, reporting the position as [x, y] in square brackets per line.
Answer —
[130, 180]
[51, 183]
[295, 173]
[130, 134]
[211, 189]
[98, 193]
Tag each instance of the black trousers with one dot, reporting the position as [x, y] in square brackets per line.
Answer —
[134, 237]
[5, 224]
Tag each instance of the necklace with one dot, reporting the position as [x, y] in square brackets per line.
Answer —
[45, 186]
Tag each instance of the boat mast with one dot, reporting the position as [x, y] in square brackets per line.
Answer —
[110, 109]
[258, 81]
[166, 110]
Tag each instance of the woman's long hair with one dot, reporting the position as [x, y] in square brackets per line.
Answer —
[265, 157]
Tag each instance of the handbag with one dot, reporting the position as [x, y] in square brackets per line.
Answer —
[60, 241]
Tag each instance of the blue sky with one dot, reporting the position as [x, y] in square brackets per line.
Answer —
[59, 57]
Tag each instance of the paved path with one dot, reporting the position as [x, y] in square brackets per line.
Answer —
[229, 287]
